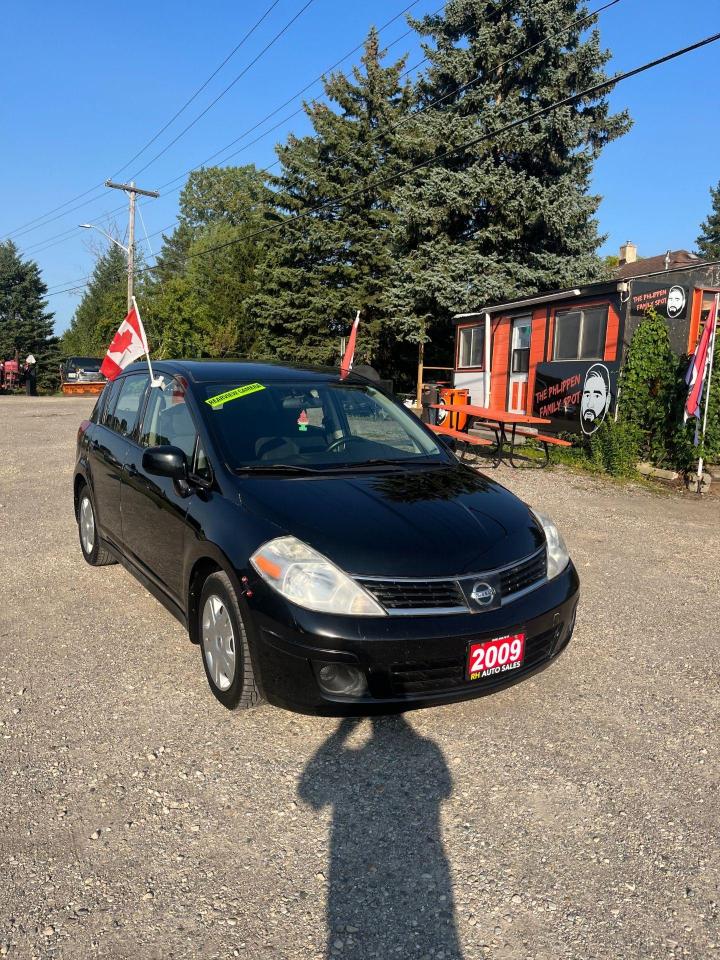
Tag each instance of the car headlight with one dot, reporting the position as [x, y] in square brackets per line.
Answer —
[557, 554]
[309, 579]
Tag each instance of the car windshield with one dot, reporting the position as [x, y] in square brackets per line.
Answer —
[313, 427]
[84, 363]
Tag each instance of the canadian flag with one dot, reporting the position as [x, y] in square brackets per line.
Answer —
[346, 365]
[127, 346]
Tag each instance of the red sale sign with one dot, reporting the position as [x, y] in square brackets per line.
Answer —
[493, 657]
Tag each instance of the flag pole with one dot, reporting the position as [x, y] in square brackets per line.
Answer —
[153, 381]
[710, 362]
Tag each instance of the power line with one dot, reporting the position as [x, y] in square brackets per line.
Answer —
[200, 89]
[536, 115]
[229, 87]
[411, 116]
[187, 103]
[21, 231]
[565, 102]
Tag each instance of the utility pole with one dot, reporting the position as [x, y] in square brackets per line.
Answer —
[132, 191]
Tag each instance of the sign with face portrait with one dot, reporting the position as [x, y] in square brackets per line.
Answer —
[575, 395]
[670, 300]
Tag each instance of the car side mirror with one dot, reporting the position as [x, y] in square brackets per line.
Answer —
[166, 462]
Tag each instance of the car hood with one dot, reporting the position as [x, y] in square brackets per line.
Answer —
[416, 523]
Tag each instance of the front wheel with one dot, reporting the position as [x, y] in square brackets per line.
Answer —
[93, 550]
[224, 645]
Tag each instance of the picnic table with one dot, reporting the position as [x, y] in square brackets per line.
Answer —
[505, 425]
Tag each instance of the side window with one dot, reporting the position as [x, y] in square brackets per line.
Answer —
[167, 421]
[112, 390]
[129, 404]
[201, 467]
[99, 408]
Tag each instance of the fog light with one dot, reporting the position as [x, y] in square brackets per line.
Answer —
[342, 680]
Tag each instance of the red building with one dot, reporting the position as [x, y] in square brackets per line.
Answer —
[538, 354]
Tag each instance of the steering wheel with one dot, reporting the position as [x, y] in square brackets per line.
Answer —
[343, 441]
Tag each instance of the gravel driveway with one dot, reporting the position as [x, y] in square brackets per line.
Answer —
[575, 815]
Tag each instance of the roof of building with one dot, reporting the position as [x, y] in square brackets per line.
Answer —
[671, 260]
[600, 288]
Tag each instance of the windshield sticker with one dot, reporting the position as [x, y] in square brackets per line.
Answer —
[244, 391]
[303, 421]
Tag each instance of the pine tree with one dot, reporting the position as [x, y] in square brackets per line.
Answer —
[338, 259]
[101, 309]
[708, 242]
[510, 215]
[26, 326]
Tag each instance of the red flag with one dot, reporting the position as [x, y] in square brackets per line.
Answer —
[695, 376]
[128, 345]
[346, 365]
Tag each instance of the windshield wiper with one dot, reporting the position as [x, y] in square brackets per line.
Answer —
[383, 462]
[277, 468]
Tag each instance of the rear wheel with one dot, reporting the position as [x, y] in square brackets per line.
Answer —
[224, 645]
[94, 552]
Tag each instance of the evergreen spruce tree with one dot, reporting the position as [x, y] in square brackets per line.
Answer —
[101, 309]
[510, 215]
[26, 325]
[337, 260]
[708, 242]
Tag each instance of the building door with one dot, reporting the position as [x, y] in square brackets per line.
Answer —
[519, 364]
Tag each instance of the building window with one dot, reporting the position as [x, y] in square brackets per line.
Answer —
[580, 334]
[472, 346]
[520, 359]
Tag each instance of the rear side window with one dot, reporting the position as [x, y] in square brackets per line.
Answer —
[109, 394]
[129, 404]
[99, 408]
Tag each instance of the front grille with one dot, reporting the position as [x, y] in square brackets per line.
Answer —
[444, 676]
[524, 574]
[417, 594]
[398, 596]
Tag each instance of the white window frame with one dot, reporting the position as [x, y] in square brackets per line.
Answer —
[477, 331]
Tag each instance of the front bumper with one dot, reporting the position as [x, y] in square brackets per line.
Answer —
[409, 661]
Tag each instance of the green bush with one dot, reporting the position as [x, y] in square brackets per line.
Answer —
[652, 399]
[615, 448]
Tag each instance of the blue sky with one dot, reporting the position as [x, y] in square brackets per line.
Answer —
[86, 85]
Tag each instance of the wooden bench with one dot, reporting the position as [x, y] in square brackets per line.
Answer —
[460, 436]
[545, 440]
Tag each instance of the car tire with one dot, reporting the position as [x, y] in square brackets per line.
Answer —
[224, 645]
[90, 543]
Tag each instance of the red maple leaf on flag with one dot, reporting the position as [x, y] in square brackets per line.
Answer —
[121, 341]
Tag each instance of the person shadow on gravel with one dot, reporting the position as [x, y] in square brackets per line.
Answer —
[390, 890]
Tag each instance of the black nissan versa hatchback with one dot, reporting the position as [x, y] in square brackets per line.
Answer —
[322, 547]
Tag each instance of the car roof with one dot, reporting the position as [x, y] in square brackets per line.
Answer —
[212, 371]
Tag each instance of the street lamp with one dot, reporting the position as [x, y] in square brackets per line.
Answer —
[92, 226]
[126, 250]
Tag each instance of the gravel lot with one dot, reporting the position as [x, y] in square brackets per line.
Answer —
[572, 816]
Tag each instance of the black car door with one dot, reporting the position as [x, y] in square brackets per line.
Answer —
[108, 450]
[154, 508]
